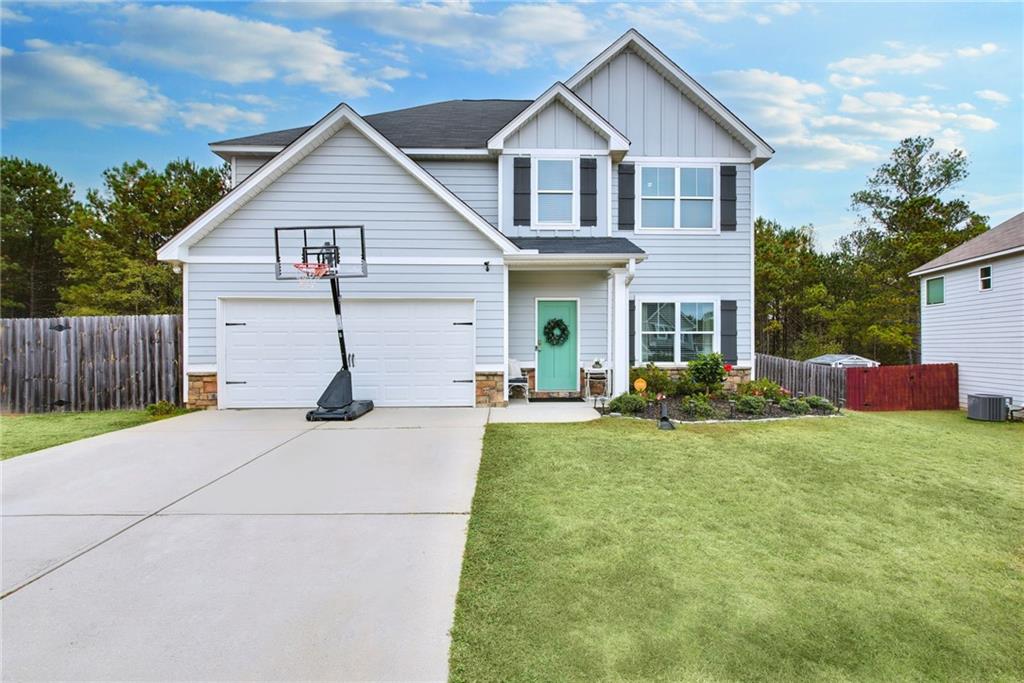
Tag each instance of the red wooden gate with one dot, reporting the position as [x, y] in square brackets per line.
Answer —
[903, 387]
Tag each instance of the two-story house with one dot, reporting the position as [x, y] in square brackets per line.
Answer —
[617, 204]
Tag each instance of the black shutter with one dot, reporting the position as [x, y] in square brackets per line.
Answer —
[728, 188]
[588, 191]
[632, 335]
[521, 191]
[627, 193]
[729, 331]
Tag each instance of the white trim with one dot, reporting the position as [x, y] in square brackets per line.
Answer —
[246, 150]
[574, 193]
[254, 259]
[184, 332]
[675, 299]
[753, 276]
[554, 151]
[633, 38]
[200, 369]
[536, 347]
[233, 173]
[501, 194]
[957, 264]
[608, 195]
[446, 152]
[342, 115]
[982, 278]
[677, 199]
[504, 334]
[610, 325]
[617, 142]
[487, 368]
[926, 281]
[620, 330]
[685, 160]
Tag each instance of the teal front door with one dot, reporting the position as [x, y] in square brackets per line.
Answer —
[558, 365]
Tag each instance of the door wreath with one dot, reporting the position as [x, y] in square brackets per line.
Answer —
[556, 332]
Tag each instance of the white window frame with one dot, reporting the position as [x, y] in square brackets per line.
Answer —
[927, 280]
[981, 281]
[676, 229]
[676, 300]
[535, 222]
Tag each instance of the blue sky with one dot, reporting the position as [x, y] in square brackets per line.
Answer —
[832, 86]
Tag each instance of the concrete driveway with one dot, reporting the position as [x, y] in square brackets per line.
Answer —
[240, 546]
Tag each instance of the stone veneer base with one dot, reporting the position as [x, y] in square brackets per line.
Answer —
[202, 390]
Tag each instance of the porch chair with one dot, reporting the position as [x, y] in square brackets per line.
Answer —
[516, 379]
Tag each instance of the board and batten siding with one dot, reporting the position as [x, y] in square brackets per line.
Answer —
[590, 287]
[246, 166]
[556, 127]
[981, 331]
[473, 181]
[658, 119]
[714, 264]
[507, 202]
[348, 180]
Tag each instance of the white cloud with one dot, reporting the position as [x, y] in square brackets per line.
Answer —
[980, 51]
[52, 82]
[236, 50]
[884, 99]
[966, 106]
[785, 8]
[854, 105]
[873, 64]
[392, 73]
[993, 96]
[256, 100]
[8, 13]
[847, 82]
[217, 117]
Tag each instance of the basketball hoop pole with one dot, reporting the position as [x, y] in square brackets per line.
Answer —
[336, 298]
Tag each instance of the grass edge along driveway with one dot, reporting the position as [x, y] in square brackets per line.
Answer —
[882, 546]
[21, 434]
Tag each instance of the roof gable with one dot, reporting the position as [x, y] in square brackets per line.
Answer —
[176, 248]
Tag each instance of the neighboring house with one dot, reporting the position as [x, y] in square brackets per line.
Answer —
[972, 311]
[844, 360]
[619, 201]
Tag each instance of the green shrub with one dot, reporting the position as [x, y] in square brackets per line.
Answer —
[683, 385]
[762, 387]
[795, 405]
[751, 405]
[627, 404]
[708, 371]
[820, 403]
[162, 409]
[699, 406]
[658, 380]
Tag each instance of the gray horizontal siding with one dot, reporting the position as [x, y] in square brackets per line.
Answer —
[348, 180]
[556, 127]
[718, 265]
[507, 227]
[591, 287]
[656, 117]
[207, 281]
[983, 332]
[246, 166]
[474, 182]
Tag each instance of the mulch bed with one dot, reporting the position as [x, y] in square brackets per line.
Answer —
[723, 409]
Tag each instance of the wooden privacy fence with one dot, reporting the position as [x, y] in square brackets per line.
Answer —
[89, 363]
[798, 376]
[903, 387]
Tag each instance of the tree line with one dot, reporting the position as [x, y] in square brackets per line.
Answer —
[98, 256]
[62, 256]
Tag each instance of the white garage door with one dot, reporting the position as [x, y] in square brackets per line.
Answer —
[282, 353]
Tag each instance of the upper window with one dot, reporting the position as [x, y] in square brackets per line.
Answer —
[676, 331]
[677, 197]
[556, 192]
[935, 291]
[985, 278]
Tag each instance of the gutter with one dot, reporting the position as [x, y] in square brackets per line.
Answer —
[965, 262]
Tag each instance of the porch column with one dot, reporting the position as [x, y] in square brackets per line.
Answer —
[620, 332]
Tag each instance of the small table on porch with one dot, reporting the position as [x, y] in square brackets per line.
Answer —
[598, 374]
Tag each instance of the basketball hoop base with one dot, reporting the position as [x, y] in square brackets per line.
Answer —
[352, 411]
[336, 402]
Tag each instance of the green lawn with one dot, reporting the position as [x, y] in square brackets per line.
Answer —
[20, 434]
[882, 547]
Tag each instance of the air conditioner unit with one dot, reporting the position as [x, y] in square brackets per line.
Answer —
[990, 407]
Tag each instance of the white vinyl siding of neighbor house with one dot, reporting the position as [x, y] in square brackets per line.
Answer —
[980, 330]
[556, 127]
[348, 180]
[656, 117]
[684, 266]
[474, 182]
[507, 224]
[590, 287]
[246, 166]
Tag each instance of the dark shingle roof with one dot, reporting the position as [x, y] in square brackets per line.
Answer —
[1006, 235]
[578, 245]
[455, 124]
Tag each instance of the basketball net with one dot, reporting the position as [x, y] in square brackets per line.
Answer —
[311, 273]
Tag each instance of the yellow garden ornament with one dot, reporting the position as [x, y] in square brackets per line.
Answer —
[640, 384]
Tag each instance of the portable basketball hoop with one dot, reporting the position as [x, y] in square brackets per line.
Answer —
[308, 254]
